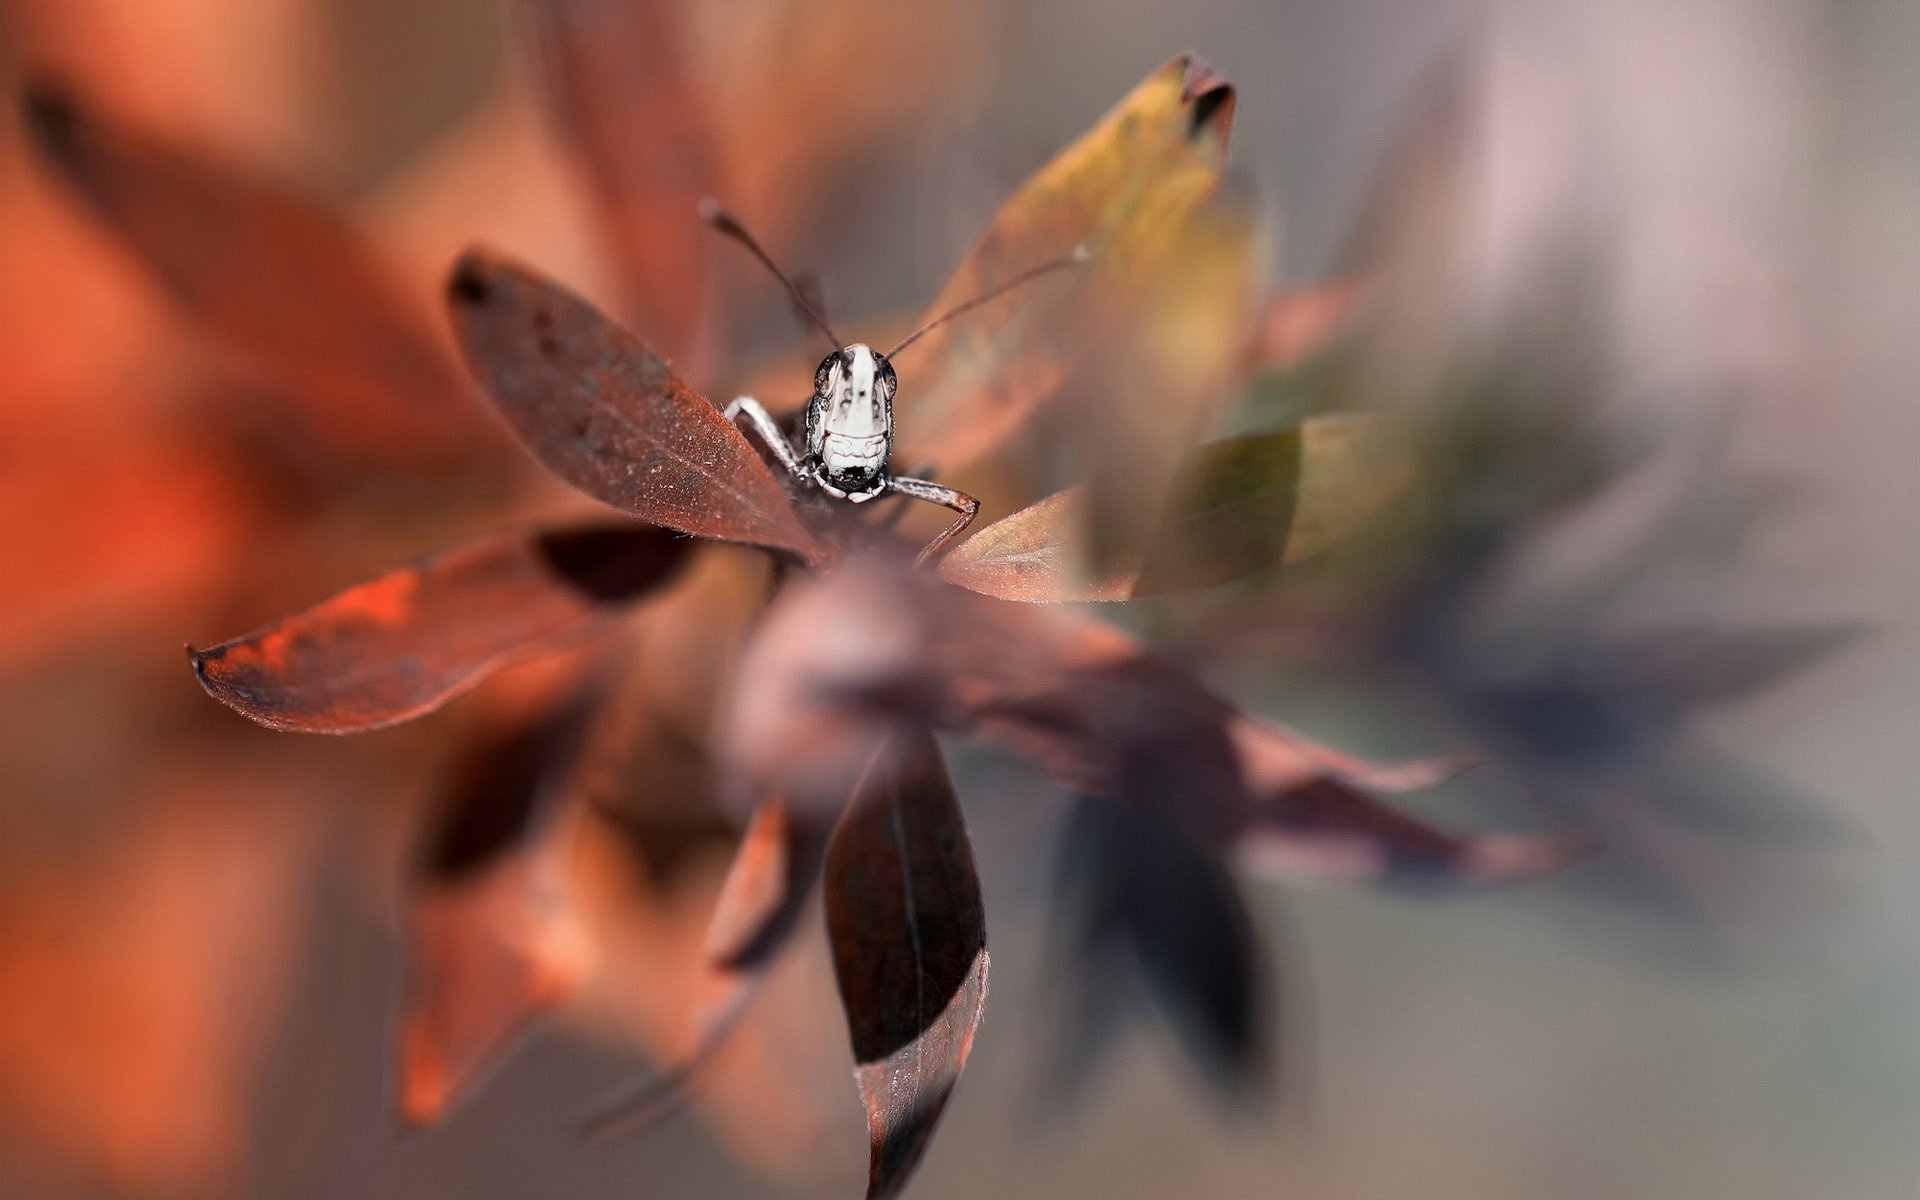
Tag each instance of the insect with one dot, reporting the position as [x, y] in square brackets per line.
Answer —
[847, 436]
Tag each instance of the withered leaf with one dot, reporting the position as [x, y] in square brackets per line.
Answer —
[607, 415]
[494, 791]
[908, 931]
[754, 917]
[276, 275]
[1143, 897]
[617, 78]
[1239, 506]
[1118, 191]
[1097, 712]
[488, 952]
[400, 645]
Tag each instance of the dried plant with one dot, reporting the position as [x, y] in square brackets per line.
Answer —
[824, 744]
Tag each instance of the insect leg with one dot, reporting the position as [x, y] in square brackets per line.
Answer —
[922, 473]
[937, 493]
[762, 423]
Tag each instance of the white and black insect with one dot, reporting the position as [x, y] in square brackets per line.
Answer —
[847, 436]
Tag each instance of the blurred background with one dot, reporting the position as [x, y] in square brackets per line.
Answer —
[1647, 281]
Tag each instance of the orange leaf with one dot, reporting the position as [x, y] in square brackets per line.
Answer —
[754, 916]
[279, 277]
[399, 646]
[618, 78]
[486, 957]
[490, 947]
[607, 415]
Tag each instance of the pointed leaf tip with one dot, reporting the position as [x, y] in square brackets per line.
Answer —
[52, 116]
[400, 645]
[607, 415]
[908, 931]
[467, 283]
[1210, 97]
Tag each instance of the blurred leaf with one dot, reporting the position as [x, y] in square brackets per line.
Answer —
[1119, 191]
[910, 950]
[1239, 506]
[862, 651]
[618, 76]
[1323, 827]
[278, 276]
[607, 415]
[1141, 894]
[777, 89]
[493, 793]
[1298, 324]
[486, 957]
[1142, 404]
[488, 950]
[754, 917]
[398, 646]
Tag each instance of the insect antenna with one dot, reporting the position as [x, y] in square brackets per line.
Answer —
[1072, 257]
[728, 224]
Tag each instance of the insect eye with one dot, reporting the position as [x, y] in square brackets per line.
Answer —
[825, 373]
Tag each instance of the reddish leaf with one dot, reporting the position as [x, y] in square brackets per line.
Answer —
[863, 651]
[278, 276]
[605, 414]
[910, 950]
[1238, 506]
[1120, 191]
[487, 956]
[494, 793]
[617, 76]
[488, 948]
[1296, 325]
[401, 645]
[778, 89]
[754, 917]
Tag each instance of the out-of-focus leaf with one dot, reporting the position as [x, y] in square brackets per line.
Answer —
[1142, 895]
[489, 949]
[1250, 503]
[1239, 506]
[487, 957]
[865, 651]
[1119, 191]
[777, 90]
[401, 645]
[607, 415]
[617, 74]
[1295, 325]
[1141, 404]
[754, 917]
[274, 274]
[495, 791]
[909, 948]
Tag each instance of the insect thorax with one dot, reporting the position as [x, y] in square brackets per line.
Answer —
[850, 422]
